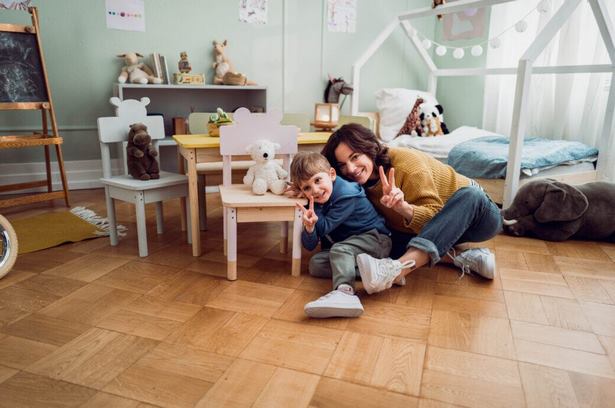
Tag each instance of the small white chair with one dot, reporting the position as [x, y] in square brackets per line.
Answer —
[240, 204]
[114, 130]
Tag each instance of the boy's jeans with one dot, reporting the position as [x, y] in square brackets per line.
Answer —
[339, 262]
[468, 216]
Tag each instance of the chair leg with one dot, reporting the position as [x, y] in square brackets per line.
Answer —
[231, 251]
[284, 237]
[297, 225]
[189, 225]
[111, 217]
[141, 225]
[159, 218]
[225, 229]
[202, 203]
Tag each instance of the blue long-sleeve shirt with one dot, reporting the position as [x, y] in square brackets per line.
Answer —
[348, 212]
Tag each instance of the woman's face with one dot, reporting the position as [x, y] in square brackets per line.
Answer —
[353, 165]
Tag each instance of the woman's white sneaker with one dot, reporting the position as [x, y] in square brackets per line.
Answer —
[480, 261]
[379, 274]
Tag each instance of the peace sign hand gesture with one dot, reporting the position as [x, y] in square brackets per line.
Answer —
[392, 196]
[309, 216]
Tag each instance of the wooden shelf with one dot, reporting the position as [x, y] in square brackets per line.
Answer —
[180, 100]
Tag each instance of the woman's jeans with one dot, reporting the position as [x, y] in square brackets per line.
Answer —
[468, 216]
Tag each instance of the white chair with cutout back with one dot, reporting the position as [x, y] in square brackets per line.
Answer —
[240, 204]
[114, 130]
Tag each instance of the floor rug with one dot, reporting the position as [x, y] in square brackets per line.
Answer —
[55, 228]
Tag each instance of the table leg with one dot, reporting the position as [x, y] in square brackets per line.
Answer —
[194, 201]
[182, 201]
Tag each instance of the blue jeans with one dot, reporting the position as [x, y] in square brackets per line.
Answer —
[468, 216]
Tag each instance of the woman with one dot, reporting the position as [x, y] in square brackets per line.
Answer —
[429, 206]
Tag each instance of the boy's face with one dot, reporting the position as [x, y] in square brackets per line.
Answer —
[319, 186]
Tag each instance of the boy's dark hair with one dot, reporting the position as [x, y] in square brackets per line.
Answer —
[361, 140]
[305, 165]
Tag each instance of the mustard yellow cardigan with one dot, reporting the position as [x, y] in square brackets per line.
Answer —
[427, 185]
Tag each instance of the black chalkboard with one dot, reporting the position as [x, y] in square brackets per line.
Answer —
[21, 74]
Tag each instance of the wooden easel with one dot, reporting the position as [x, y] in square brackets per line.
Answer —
[21, 56]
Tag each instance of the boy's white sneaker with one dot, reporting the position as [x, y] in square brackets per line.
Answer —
[334, 304]
[379, 274]
[476, 260]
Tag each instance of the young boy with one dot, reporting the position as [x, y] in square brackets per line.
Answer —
[344, 221]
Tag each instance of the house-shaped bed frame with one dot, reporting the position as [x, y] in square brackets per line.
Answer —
[523, 71]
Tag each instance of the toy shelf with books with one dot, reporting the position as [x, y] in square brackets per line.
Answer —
[180, 100]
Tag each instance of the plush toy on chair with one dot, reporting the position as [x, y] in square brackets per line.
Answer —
[140, 154]
[266, 174]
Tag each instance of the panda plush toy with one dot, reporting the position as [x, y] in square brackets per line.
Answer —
[432, 120]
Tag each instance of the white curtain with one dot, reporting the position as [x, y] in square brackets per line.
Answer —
[563, 106]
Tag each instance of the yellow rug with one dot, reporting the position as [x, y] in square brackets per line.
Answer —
[55, 228]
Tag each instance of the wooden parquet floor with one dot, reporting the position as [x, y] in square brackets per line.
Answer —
[89, 325]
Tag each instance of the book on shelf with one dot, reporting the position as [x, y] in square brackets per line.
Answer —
[156, 67]
[164, 70]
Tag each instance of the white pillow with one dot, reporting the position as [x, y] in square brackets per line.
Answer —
[394, 106]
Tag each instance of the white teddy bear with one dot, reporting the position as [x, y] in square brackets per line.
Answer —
[266, 174]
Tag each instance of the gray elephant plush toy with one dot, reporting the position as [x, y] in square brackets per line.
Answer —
[554, 211]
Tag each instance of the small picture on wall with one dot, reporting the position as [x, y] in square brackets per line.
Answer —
[253, 11]
[15, 4]
[464, 25]
[126, 15]
[342, 16]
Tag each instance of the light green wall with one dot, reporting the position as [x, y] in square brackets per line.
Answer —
[291, 55]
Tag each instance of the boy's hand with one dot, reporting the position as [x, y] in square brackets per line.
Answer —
[309, 216]
[392, 196]
[292, 191]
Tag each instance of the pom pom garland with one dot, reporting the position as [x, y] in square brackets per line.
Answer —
[544, 6]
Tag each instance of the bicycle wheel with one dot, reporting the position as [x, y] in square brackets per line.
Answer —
[8, 246]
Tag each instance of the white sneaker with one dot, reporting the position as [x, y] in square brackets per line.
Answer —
[379, 274]
[478, 260]
[334, 304]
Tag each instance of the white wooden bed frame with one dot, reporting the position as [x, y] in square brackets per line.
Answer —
[523, 71]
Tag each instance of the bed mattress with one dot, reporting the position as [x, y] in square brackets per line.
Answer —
[486, 164]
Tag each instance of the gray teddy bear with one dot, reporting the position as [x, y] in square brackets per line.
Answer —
[554, 211]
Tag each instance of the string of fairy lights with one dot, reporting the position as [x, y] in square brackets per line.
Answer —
[476, 50]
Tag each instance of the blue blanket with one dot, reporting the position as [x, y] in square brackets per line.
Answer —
[486, 157]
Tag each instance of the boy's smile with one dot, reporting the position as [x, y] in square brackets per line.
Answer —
[319, 186]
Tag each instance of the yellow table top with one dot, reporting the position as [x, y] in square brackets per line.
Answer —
[205, 141]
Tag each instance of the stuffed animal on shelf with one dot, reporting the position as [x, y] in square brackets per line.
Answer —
[140, 154]
[136, 72]
[266, 173]
[221, 64]
[183, 64]
[412, 126]
[432, 120]
[224, 74]
[554, 211]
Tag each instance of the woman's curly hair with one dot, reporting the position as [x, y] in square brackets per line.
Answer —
[360, 140]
